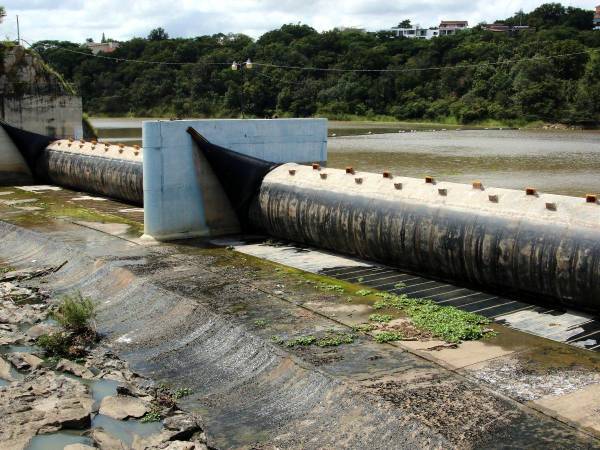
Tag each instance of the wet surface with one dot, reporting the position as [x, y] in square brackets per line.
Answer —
[57, 441]
[555, 162]
[188, 314]
[125, 430]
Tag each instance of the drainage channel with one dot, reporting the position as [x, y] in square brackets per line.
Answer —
[571, 327]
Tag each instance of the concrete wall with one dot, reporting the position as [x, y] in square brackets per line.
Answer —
[53, 115]
[182, 196]
[13, 168]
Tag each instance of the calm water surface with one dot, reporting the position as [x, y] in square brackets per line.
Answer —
[560, 162]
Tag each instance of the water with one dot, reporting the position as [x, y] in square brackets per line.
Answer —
[125, 430]
[559, 162]
[57, 441]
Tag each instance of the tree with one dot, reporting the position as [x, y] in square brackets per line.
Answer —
[405, 24]
[103, 40]
[158, 34]
[2, 13]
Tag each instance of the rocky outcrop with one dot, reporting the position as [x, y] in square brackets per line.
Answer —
[64, 365]
[42, 403]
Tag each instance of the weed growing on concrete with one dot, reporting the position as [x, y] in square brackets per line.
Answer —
[261, 323]
[388, 336]
[360, 279]
[399, 285]
[6, 269]
[381, 318]
[446, 322]
[364, 292]
[335, 338]
[302, 340]
[277, 340]
[364, 327]
[331, 287]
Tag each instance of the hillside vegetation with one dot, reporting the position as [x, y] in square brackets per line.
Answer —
[473, 76]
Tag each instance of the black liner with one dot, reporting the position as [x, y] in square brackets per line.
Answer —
[31, 146]
[240, 175]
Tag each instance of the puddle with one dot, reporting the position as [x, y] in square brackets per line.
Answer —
[57, 441]
[125, 430]
[4, 382]
[33, 349]
[101, 389]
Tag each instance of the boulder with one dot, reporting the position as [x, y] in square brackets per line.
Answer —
[24, 361]
[122, 407]
[64, 365]
[5, 372]
[182, 426]
[107, 441]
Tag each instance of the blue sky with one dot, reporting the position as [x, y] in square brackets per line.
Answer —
[76, 20]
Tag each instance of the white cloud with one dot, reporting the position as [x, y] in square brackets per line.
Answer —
[76, 20]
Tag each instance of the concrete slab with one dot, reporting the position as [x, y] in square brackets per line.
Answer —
[466, 354]
[581, 406]
[39, 188]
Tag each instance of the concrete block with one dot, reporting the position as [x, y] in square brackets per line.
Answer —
[182, 196]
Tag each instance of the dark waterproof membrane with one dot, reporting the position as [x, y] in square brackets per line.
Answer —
[31, 146]
[239, 175]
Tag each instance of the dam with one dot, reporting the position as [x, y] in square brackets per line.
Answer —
[222, 322]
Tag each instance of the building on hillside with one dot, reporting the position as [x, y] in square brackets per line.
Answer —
[415, 32]
[597, 18]
[102, 47]
[452, 26]
[510, 29]
[446, 28]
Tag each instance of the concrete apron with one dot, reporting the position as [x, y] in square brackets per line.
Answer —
[177, 317]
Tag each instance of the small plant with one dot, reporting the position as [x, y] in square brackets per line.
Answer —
[388, 336]
[331, 287]
[277, 340]
[152, 416]
[399, 285]
[182, 392]
[333, 339]
[360, 279]
[381, 318]
[261, 323]
[6, 269]
[302, 341]
[364, 327]
[75, 313]
[55, 344]
[364, 292]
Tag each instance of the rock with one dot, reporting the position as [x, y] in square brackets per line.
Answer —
[78, 447]
[41, 328]
[120, 407]
[5, 372]
[183, 445]
[106, 441]
[64, 365]
[182, 426]
[43, 403]
[24, 361]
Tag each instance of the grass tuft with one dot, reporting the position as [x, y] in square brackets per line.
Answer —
[75, 313]
[381, 318]
[388, 336]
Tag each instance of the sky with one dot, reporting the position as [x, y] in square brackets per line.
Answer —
[76, 20]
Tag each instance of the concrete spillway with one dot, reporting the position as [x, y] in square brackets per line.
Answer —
[543, 246]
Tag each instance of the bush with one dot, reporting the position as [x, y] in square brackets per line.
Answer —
[75, 313]
[55, 344]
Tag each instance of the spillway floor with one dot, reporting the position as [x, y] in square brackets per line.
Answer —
[566, 326]
[187, 313]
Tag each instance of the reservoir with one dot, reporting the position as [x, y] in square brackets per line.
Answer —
[558, 162]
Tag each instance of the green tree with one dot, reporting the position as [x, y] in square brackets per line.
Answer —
[157, 34]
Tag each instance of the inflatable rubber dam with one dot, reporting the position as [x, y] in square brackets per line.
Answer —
[544, 247]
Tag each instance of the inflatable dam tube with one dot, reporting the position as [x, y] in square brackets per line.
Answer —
[101, 168]
[544, 247]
